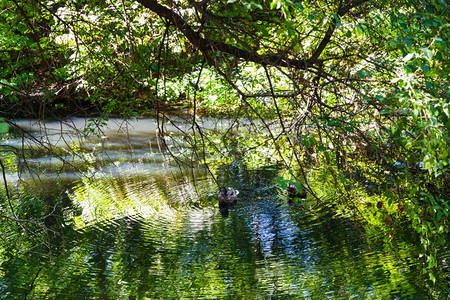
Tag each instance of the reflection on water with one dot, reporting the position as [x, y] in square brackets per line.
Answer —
[145, 245]
[138, 232]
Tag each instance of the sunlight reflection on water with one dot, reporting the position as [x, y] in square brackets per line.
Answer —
[143, 230]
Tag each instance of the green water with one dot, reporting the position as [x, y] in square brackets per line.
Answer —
[137, 228]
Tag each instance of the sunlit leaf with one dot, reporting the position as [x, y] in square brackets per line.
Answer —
[408, 57]
[427, 52]
[4, 128]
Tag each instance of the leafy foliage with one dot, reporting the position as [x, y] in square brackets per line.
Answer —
[353, 91]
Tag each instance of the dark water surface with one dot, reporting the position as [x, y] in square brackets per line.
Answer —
[139, 229]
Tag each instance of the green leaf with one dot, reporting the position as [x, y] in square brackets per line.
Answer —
[427, 52]
[257, 5]
[408, 42]
[431, 262]
[4, 128]
[298, 186]
[333, 123]
[283, 184]
[362, 73]
[408, 57]
[425, 68]
[299, 5]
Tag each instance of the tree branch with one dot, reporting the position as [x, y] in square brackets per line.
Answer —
[206, 45]
[326, 39]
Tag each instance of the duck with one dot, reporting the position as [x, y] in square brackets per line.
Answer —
[293, 192]
[228, 196]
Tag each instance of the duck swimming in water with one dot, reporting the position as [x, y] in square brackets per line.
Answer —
[293, 192]
[228, 196]
[227, 199]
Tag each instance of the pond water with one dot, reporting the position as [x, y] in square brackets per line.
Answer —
[137, 227]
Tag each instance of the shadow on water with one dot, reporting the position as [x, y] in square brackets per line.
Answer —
[143, 231]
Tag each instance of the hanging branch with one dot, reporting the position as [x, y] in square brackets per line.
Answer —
[334, 21]
[32, 283]
[8, 198]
